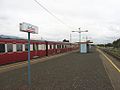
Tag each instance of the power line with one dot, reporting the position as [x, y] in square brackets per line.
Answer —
[52, 14]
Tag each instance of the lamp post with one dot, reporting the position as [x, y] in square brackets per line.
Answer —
[79, 35]
[79, 31]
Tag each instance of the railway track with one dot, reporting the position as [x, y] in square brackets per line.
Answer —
[111, 53]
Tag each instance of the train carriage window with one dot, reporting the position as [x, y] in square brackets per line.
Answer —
[39, 47]
[26, 47]
[58, 46]
[31, 47]
[35, 47]
[62, 46]
[2, 48]
[50, 46]
[14, 47]
[23, 47]
[44, 46]
[54, 46]
[19, 47]
[65, 46]
[9, 48]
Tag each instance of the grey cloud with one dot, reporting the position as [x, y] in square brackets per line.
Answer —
[100, 17]
[3, 18]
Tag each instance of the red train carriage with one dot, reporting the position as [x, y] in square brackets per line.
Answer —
[57, 47]
[12, 50]
[50, 48]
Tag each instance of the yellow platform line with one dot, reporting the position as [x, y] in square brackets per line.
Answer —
[109, 60]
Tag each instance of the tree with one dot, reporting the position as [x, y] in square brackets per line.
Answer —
[116, 44]
[109, 45]
[65, 40]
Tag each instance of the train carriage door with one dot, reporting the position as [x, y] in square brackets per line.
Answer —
[35, 49]
[46, 48]
[54, 46]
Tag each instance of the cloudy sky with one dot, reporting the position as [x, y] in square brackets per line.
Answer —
[100, 17]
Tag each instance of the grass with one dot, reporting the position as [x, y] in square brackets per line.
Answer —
[113, 51]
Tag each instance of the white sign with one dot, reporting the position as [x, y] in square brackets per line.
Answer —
[26, 27]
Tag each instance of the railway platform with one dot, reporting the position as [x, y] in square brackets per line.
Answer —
[72, 71]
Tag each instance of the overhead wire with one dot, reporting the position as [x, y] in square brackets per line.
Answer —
[52, 14]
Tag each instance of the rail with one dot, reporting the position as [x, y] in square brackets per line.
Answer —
[110, 53]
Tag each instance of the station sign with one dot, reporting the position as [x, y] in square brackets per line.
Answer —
[29, 28]
[26, 27]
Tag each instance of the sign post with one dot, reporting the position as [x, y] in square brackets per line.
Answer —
[29, 74]
[26, 27]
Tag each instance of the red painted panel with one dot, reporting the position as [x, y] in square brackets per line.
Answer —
[52, 52]
[18, 56]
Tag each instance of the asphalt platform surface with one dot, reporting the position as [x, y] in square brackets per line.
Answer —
[73, 71]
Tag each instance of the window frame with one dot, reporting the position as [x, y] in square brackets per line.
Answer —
[35, 47]
[12, 48]
[25, 46]
[17, 48]
[50, 46]
[4, 48]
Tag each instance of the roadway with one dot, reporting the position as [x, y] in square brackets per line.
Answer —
[72, 71]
